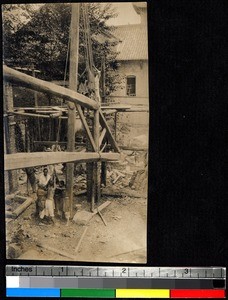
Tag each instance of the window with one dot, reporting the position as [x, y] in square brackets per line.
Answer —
[131, 86]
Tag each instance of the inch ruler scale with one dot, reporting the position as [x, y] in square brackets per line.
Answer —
[115, 282]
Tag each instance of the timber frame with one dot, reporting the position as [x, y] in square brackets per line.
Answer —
[24, 160]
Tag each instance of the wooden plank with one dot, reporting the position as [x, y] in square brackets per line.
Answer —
[116, 106]
[102, 218]
[54, 143]
[39, 85]
[26, 160]
[101, 207]
[134, 148]
[109, 156]
[23, 114]
[22, 207]
[52, 249]
[109, 111]
[81, 238]
[109, 133]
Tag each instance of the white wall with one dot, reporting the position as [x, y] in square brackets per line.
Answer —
[140, 70]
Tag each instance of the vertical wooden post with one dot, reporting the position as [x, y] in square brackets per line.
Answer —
[103, 164]
[103, 80]
[96, 171]
[36, 102]
[10, 134]
[115, 124]
[73, 76]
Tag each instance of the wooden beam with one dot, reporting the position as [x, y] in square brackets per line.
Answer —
[109, 133]
[23, 114]
[89, 135]
[54, 143]
[39, 85]
[33, 159]
[110, 156]
[102, 136]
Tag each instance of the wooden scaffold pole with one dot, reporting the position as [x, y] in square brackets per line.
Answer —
[9, 135]
[73, 76]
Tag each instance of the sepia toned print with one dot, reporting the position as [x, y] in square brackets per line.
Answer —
[76, 125]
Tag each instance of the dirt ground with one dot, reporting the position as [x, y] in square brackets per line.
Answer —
[122, 240]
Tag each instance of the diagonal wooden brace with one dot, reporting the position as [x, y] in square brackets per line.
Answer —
[89, 135]
[102, 136]
[104, 124]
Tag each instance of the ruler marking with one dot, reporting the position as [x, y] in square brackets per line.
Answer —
[190, 272]
[198, 275]
[167, 275]
[151, 274]
[159, 272]
[113, 273]
[144, 273]
[221, 272]
[175, 273]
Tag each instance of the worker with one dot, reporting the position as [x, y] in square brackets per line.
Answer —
[48, 210]
[59, 197]
[42, 183]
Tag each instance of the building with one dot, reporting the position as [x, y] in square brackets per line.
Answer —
[133, 60]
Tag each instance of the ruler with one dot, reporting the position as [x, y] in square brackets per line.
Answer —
[118, 272]
[116, 282]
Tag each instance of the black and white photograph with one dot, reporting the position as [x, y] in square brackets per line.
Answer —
[76, 131]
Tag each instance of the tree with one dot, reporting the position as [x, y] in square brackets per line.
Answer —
[43, 40]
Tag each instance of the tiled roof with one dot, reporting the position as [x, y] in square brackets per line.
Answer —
[134, 45]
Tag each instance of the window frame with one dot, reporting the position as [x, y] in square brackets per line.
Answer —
[127, 86]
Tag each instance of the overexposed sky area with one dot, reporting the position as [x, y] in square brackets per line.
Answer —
[126, 14]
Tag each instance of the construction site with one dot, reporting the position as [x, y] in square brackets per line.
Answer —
[75, 161]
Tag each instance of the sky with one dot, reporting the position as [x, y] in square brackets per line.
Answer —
[126, 14]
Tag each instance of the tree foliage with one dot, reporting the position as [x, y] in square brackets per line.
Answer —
[43, 40]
